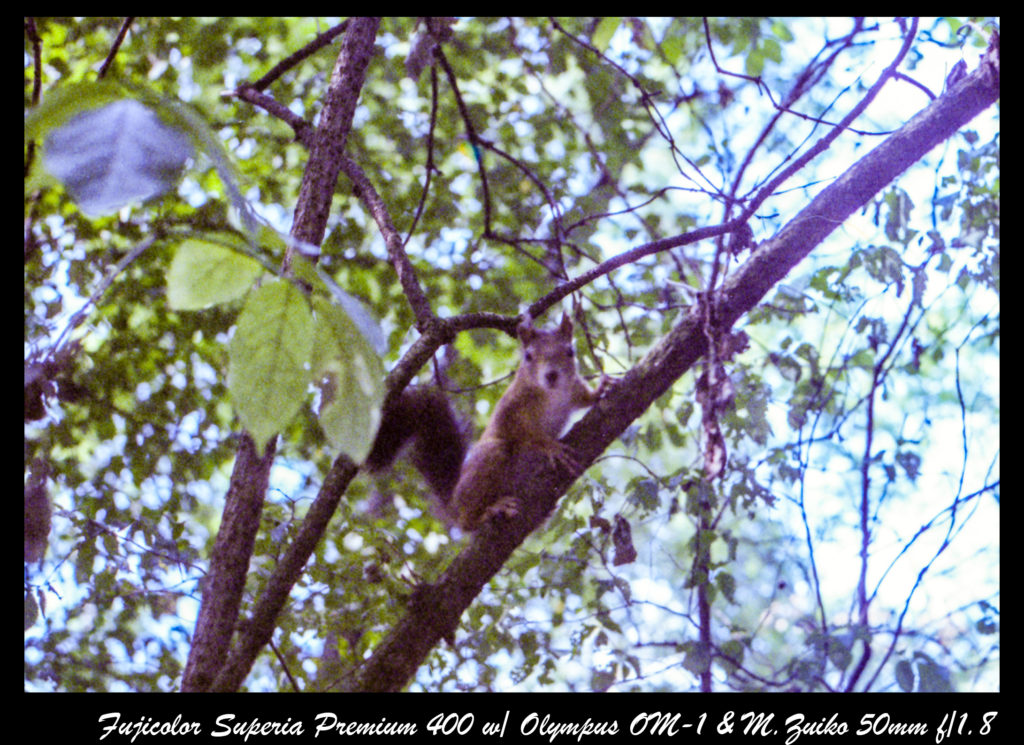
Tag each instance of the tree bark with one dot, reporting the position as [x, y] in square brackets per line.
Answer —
[229, 564]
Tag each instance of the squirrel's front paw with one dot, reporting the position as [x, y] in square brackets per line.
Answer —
[562, 455]
[507, 506]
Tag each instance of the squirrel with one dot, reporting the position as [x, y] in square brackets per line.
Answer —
[530, 415]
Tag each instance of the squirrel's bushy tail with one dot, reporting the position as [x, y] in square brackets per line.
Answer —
[423, 419]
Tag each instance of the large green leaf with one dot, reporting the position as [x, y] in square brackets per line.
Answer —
[351, 380]
[113, 144]
[205, 273]
[114, 155]
[269, 356]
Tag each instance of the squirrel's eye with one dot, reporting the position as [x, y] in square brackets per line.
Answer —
[529, 356]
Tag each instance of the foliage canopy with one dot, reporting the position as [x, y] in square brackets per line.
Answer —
[792, 514]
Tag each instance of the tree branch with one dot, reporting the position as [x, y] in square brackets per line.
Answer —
[229, 564]
[321, 176]
[296, 57]
[393, 240]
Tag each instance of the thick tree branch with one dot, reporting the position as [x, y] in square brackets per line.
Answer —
[434, 610]
[321, 176]
[229, 564]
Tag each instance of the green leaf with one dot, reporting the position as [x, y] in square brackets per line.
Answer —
[206, 141]
[113, 144]
[734, 649]
[350, 376]
[204, 274]
[755, 62]
[905, 676]
[839, 653]
[65, 103]
[772, 50]
[673, 48]
[727, 584]
[268, 358]
[116, 154]
[935, 678]
[910, 462]
[697, 659]
[307, 272]
[606, 28]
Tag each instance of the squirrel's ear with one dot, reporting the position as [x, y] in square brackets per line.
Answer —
[565, 328]
[525, 330]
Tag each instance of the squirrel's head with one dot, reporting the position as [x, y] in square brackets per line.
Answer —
[548, 356]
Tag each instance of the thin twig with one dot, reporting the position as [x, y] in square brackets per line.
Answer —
[296, 57]
[117, 45]
[82, 313]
